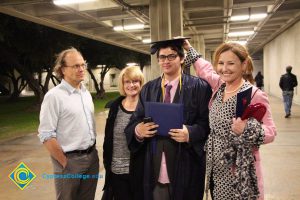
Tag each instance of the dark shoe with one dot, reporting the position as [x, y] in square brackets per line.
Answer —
[287, 115]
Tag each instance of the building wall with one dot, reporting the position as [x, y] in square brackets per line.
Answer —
[110, 80]
[258, 66]
[279, 53]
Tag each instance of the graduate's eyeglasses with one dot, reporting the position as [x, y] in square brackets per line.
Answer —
[170, 57]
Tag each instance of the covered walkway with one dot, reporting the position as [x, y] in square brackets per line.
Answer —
[281, 161]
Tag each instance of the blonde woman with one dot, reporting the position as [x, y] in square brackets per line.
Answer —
[121, 181]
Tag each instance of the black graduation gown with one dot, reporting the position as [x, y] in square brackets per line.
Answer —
[189, 171]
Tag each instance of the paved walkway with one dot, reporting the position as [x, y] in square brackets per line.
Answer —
[281, 161]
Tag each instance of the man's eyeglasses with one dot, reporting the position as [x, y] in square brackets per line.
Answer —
[79, 66]
[170, 57]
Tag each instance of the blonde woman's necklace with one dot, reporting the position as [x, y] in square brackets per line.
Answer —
[233, 91]
[129, 104]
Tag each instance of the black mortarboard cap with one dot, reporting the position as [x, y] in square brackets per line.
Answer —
[178, 42]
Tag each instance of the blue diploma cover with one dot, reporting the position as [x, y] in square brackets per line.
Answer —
[166, 115]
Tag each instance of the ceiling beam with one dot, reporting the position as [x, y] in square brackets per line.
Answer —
[288, 24]
[273, 10]
[228, 4]
[52, 24]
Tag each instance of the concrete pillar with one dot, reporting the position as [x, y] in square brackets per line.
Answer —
[209, 55]
[201, 45]
[147, 73]
[197, 41]
[165, 23]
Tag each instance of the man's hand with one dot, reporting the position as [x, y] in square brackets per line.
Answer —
[64, 163]
[56, 151]
[180, 135]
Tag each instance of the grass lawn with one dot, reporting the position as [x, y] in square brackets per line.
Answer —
[17, 119]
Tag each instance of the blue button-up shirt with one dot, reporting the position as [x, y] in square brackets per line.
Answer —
[67, 114]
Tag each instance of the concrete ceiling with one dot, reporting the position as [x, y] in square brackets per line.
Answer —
[210, 18]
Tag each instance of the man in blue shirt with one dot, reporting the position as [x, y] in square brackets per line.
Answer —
[67, 129]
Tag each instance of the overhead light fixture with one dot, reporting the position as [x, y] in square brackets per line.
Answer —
[118, 28]
[129, 27]
[258, 16]
[241, 42]
[247, 17]
[131, 64]
[146, 41]
[134, 26]
[66, 2]
[241, 33]
[239, 18]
